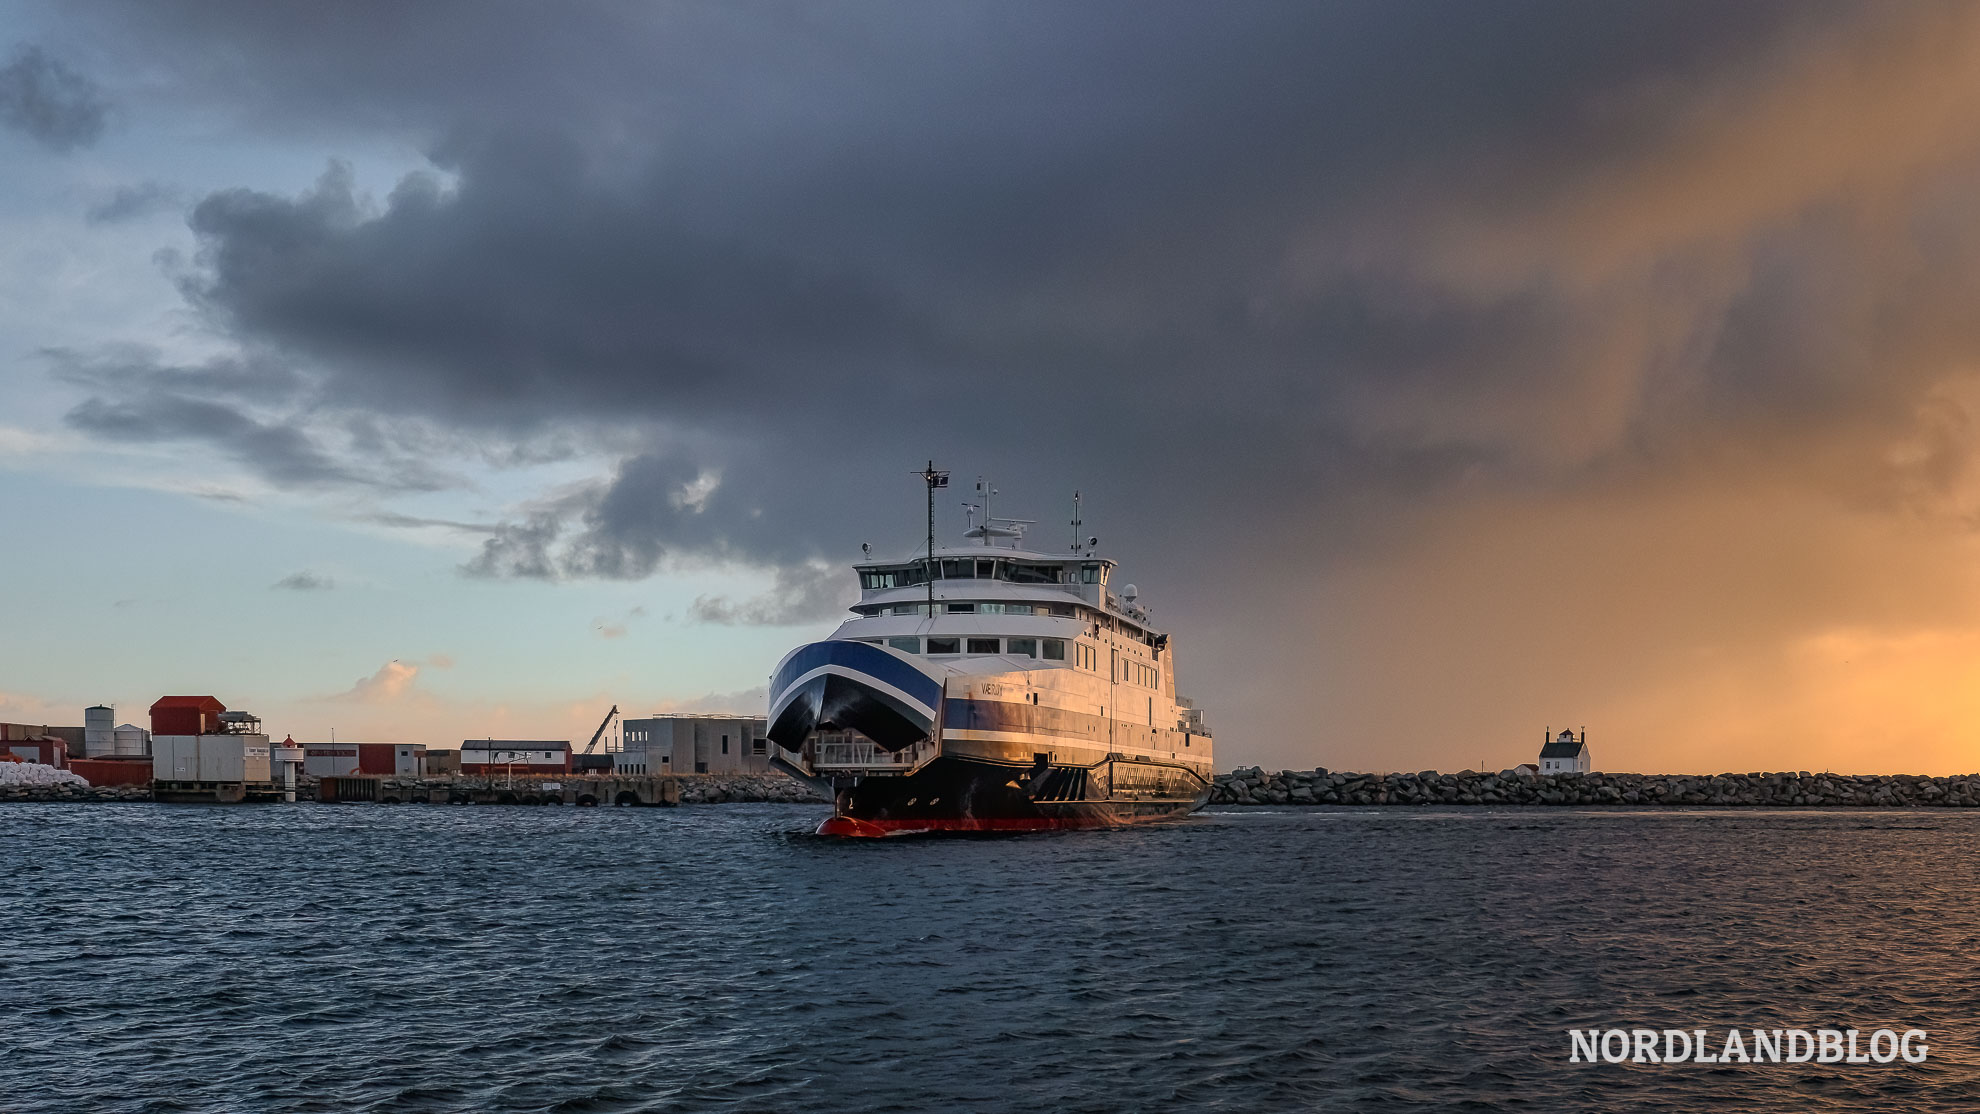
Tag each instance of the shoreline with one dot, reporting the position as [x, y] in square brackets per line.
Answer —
[1254, 786]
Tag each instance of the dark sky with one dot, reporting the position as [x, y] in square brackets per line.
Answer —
[1441, 370]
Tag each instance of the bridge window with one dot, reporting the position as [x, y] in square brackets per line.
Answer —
[986, 570]
[958, 568]
[888, 578]
[982, 645]
[1055, 649]
[1032, 574]
[906, 645]
[1089, 574]
[944, 646]
[1023, 647]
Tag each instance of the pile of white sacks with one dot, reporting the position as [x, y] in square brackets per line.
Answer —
[36, 775]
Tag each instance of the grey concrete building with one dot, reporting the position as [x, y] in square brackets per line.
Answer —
[693, 744]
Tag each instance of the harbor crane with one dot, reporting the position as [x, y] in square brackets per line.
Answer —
[602, 725]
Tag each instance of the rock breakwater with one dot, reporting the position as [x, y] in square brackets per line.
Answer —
[71, 792]
[1254, 786]
[708, 789]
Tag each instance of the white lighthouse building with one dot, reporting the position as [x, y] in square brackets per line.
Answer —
[1565, 754]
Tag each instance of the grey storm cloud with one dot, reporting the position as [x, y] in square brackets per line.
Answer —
[805, 594]
[304, 581]
[1277, 264]
[132, 201]
[49, 102]
[134, 396]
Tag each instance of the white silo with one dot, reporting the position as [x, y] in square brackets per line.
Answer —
[99, 731]
[132, 741]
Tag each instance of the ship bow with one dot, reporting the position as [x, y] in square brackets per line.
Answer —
[857, 686]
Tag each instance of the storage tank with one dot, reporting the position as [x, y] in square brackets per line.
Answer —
[132, 741]
[99, 731]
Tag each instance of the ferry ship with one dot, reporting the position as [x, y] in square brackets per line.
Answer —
[988, 686]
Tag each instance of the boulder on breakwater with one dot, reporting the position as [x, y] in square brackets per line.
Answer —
[1254, 786]
[708, 789]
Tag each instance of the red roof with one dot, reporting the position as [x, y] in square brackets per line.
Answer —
[197, 703]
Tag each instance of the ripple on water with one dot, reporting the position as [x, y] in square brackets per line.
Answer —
[319, 958]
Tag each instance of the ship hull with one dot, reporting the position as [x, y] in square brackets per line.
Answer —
[961, 794]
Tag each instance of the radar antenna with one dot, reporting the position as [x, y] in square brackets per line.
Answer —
[990, 527]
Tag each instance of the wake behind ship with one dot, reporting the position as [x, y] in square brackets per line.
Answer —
[990, 687]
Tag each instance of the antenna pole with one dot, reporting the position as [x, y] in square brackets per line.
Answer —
[929, 572]
[934, 480]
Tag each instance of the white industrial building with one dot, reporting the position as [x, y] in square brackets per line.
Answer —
[515, 756]
[692, 744]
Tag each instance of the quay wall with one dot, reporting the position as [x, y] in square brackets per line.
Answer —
[693, 789]
[1254, 786]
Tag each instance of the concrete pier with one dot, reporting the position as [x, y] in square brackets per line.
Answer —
[579, 790]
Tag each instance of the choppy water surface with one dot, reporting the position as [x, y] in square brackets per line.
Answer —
[323, 958]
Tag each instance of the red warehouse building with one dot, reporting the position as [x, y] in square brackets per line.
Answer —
[350, 759]
[186, 715]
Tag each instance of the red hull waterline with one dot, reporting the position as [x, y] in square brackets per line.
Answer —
[869, 829]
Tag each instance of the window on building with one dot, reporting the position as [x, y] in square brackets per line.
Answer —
[958, 568]
[906, 645]
[910, 608]
[1065, 609]
[1089, 574]
[944, 646]
[1055, 649]
[989, 609]
[982, 645]
[986, 569]
[759, 746]
[1018, 609]
[961, 608]
[725, 744]
[1023, 647]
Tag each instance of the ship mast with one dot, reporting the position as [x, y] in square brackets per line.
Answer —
[934, 480]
